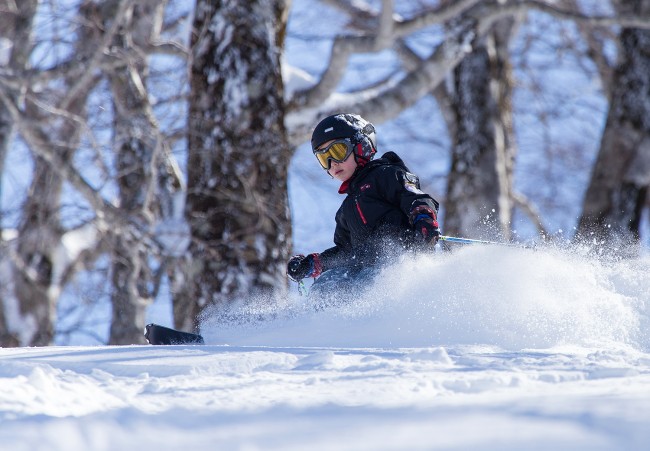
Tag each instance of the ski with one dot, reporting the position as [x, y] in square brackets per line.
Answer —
[161, 335]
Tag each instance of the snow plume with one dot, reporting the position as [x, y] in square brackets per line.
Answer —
[506, 297]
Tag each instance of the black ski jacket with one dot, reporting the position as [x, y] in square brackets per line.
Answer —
[375, 218]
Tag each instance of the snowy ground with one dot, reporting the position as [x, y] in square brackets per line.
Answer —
[484, 348]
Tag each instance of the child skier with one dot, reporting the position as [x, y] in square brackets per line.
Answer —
[384, 211]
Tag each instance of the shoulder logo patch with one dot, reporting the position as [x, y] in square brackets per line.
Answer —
[412, 183]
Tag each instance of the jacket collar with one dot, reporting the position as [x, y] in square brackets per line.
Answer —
[364, 167]
[361, 164]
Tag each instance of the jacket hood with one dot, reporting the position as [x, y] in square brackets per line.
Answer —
[389, 158]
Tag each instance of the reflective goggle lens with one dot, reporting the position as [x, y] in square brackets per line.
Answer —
[337, 151]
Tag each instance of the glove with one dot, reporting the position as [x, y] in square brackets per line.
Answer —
[425, 225]
[426, 231]
[300, 267]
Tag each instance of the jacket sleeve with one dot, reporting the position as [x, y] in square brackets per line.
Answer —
[401, 188]
[341, 253]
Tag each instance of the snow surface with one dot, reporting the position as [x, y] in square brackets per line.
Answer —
[485, 347]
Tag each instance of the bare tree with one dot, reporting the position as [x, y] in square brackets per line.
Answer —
[15, 44]
[52, 121]
[139, 157]
[480, 182]
[618, 190]
[40, 229]
[238, 156]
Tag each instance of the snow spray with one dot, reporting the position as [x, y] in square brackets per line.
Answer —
[506, 297]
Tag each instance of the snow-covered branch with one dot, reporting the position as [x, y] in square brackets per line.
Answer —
[387, 98]
[388, 31]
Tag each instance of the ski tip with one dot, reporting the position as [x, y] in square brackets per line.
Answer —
[161, 335]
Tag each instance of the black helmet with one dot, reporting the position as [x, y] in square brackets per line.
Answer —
[346, 125]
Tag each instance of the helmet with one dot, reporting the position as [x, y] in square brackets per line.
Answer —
[346, 125]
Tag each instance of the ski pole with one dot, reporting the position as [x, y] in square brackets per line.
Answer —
[302, 289]
[453, 239]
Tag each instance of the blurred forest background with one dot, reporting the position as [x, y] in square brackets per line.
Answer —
[147, 147]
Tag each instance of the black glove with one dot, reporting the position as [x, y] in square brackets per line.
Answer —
[426, 231]
[300, 267]
[425, 225]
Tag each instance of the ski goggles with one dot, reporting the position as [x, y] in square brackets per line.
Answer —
[338, 151]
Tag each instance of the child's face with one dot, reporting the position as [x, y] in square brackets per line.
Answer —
[344, 170]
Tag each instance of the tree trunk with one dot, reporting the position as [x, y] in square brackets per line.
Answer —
[137, 147]
[479, 198]
[15, 28]
[618, 189]
[39, 231]
[237, 203]
[56, 129]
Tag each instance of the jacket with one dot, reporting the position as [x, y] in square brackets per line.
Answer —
[377, 214]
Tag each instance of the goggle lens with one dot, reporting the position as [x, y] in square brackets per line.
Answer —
[337, 151]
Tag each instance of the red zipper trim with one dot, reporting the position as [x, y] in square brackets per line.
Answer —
[363, 218]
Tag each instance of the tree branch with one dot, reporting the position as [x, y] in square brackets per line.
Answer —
[379, 105]
[319, 99]
[389, 30]
[94, 63]
[531, 212]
